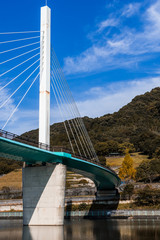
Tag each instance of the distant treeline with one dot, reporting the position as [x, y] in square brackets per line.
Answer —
[7, 165]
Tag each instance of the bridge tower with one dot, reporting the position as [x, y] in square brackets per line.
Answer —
[44, 186]
[44, 94]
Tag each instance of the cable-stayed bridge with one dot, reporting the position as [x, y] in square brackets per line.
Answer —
[30, 58]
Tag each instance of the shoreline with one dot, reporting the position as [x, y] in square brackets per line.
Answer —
[109, 214]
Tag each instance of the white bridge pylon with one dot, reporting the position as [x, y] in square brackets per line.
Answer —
[44, 187]
[44, 95]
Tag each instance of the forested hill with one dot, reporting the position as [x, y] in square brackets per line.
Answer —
[137, 123]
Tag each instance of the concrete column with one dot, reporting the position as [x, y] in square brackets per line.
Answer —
[44, 195]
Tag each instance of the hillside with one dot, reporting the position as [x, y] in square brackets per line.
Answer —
[13, 181]
[137, 123]
[116, 162]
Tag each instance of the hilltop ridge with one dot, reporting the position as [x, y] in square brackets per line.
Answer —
[137, 123]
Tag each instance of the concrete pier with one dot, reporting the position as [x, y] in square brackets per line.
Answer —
[44, 195]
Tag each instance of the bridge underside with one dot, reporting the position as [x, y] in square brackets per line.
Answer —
[104, 178]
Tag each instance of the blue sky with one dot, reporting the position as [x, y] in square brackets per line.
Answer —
[109, 51]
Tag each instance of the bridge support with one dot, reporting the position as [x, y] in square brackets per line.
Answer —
[44, 195]
[108, 199]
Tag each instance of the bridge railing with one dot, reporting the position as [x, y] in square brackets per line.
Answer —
[26, 140]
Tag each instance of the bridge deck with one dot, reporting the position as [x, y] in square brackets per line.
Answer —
[103, 177]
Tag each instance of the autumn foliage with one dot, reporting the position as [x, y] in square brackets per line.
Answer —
[127, 172]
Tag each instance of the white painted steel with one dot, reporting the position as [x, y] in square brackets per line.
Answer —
[44, 101]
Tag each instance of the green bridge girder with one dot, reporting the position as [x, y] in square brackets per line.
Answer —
[104, 178]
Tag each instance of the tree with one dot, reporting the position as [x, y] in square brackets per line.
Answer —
[155, 166]
[105, 148]
[8, 165]
[144, 172]
[122, 147]
[157, 153]
[148, 170]
[128, 191]
[148, 196]
[102, 159]
[127, 171]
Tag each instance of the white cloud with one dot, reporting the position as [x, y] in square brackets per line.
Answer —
[4, 111]
[122, 49]
[25, 120]
[153, 14]
[131, 9]
[94, 91]
[21, 121]
[98, 101]
[107, 23]
[114, 96]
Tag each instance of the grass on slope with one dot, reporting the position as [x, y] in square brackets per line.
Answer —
[116, 162]
[13, 180]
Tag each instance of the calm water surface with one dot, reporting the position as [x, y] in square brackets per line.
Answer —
[83, 230]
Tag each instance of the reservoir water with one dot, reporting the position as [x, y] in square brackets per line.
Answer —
[83, 230]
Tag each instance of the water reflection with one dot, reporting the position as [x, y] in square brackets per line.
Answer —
[91, 230]
[43, 232]
[10, 229]
[83, 230]
[139, 229]
[112, 229]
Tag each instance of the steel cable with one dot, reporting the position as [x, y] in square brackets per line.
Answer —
[20, 102]
[13, 49]
[18, 40]
[18, 88]
[63, 119]
[18, 75]
[65, 110]
[64, 100]
[81, 123]
[18, 65]
[19, 55]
